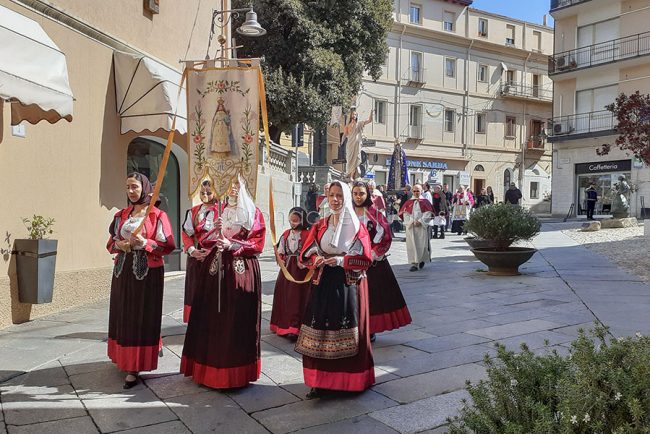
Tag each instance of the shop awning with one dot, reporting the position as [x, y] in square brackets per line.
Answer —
[146, 94]
[33, 71]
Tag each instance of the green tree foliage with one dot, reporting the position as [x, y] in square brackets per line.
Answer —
[315, 54]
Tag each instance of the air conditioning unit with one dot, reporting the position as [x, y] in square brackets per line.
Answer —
[561, 128]
[565, 62]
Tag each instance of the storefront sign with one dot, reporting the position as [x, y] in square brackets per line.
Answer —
[419, 164]
[604, 166]
[464, 178]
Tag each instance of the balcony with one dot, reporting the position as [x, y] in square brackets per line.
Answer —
[320, 175]
[415, 134]
[583, 125]
[521, 91]
[415, 77]
[535, 143]
[559, 4]
[616, 50]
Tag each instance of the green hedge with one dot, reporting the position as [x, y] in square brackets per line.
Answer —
[502, 223]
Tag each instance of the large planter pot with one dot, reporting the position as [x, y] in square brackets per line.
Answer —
[35, 262]
[479, 243]
[504, 263]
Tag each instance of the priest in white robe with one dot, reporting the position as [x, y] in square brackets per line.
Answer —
[416, 213]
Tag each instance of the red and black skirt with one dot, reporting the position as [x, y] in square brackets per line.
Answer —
[135, 315]
[331, 298]
[289, 300]
[388, 308]
[192, 268]
[222, 342]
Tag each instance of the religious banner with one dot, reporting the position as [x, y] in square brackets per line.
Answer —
[223, 125]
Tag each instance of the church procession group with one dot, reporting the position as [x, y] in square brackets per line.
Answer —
[334, 292]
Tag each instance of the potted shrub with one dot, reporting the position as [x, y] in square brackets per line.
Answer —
[503, 224]
[35, 261]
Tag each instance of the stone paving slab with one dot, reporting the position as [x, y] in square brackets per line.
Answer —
[315, 412]
[135, 409]
[536, 340]
[514, 329]
[356, 425]
[24, 405]
[422, 415]
[261, 395]
[212, 411]
[175, 427]
[417, 387]
[79, 425]
[449, 342]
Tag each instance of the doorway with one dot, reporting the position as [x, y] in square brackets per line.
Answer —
[145, 156]
[478, 186]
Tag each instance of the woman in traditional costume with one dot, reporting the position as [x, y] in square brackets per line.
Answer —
[334, 338]
[388, 309]
[463, 202]
[135, 311]
[290, 298]
[222, 342]
[199, 236]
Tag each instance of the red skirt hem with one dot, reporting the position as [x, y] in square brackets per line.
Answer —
[186, 313]
[347, 381]
[384, 322]
[282, 332]
[134, 359]
[221, 378]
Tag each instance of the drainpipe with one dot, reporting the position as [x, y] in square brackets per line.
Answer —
[466, 99]
[398, 89]
[524, 131]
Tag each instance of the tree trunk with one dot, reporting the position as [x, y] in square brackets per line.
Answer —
[275, 133]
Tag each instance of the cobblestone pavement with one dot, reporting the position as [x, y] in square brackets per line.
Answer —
[55, 376]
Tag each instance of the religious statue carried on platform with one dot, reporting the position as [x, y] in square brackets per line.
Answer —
[621, 202]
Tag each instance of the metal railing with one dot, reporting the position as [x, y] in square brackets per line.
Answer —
[525, 91]
[415, 132]
[604, 52]
[582, 123]
[557, 4]
[536, 143]
[415, 75]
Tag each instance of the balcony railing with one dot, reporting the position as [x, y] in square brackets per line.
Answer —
[582, 124]
[320, 175]
[518, 90]
[557, 4]
[415, 132]
[280, 159]
[535, 143]
[415, 76]
[597, 54]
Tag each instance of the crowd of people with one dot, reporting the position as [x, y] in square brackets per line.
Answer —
[334, 292]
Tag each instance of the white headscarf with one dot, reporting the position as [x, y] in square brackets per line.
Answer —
[348, 225]
[245, 207]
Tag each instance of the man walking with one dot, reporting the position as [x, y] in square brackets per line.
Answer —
[440, 209]
[449, 195]
[592, 198]
[513, 195]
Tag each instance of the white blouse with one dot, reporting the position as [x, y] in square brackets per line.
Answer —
[132, 224]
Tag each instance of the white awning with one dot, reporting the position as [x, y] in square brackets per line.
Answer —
[33, 71]
[146, 94]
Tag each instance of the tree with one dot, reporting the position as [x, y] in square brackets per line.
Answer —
[315, 54]
[632, 113]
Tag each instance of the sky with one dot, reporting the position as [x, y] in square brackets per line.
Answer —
[527, 10]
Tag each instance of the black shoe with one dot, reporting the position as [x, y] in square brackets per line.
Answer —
[373, 337]
[292, 337]
[421, 265]
[314, 393]
[413, 268]
[435, 237]
[442, 236]
[130, 384]
[160, 353]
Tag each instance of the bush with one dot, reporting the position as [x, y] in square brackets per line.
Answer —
[39, 227]
[603, 386]
[503, 223]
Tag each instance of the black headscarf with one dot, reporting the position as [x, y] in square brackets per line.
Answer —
[299, 211]
[147, 189]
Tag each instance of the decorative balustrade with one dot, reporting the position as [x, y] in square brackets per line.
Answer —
[319, 175]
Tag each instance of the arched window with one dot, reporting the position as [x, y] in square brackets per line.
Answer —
[479, 168]
[145, 156]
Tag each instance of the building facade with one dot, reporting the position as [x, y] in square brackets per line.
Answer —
[74, 171]
[467, 94]
[601, 50]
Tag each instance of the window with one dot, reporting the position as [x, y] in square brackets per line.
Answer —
[534, 190]
[510, 34]
[482, 27]
[510, 76]
[416, 66]
[415, 16]
[483, 73]
[479, 168]
[448, 20]
[537, 41]
[380, 111]
[415, 116]
[450, 67]
[511, 122]
[480, 122]
[450, 116]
